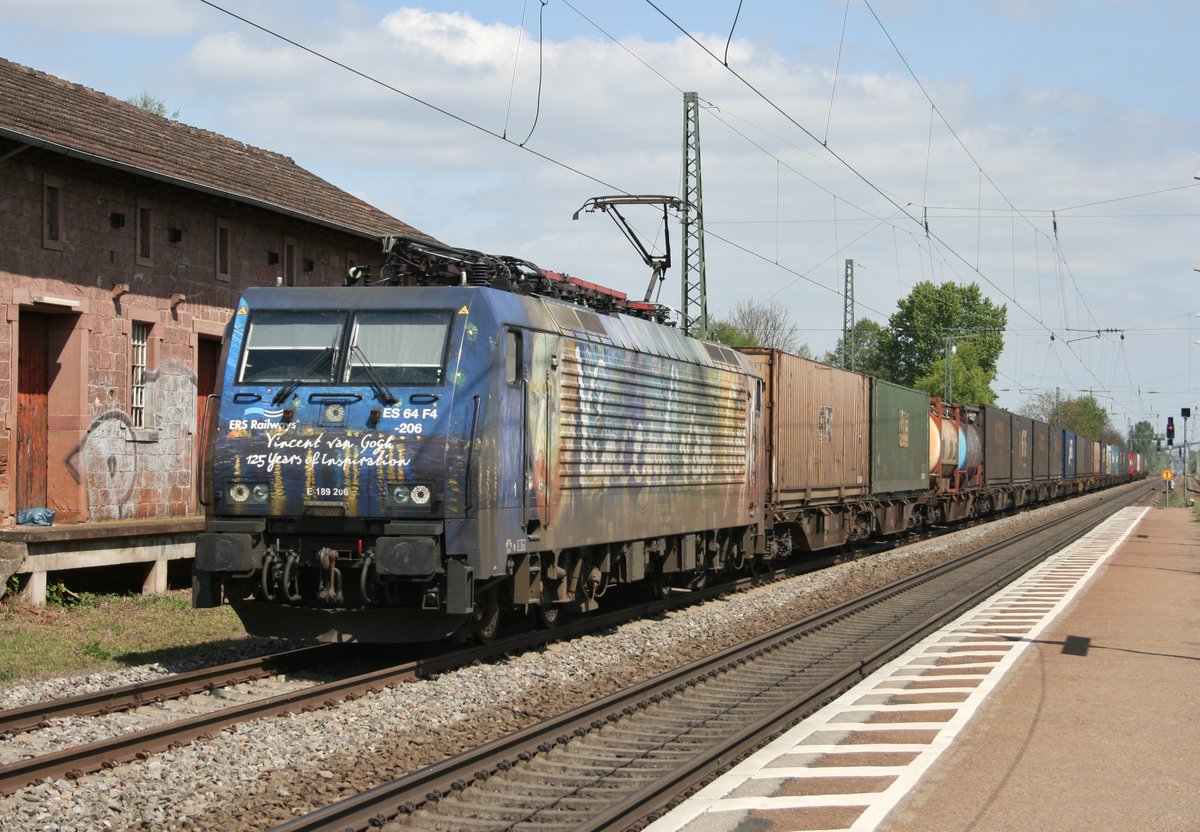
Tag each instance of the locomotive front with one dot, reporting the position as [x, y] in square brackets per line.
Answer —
[331, 463]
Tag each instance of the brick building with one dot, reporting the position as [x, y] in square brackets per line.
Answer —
[125, 240]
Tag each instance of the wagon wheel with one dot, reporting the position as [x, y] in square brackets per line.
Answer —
[485, 621]
[545, 615]
[661, 583]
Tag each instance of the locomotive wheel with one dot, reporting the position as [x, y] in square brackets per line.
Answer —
[545, 615]
[486, 619]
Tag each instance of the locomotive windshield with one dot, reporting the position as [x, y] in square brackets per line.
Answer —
[291, 347]
[403, 348]
[400, 347]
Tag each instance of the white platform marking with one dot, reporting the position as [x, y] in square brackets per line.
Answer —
[1012, 619]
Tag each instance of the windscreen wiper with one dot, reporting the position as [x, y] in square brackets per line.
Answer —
[382, 392]
[291, 386]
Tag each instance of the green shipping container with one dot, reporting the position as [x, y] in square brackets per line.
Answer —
[899, 438]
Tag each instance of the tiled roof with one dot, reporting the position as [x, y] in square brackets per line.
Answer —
[73, 119]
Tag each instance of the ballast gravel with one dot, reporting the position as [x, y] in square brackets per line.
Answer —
[258, 774]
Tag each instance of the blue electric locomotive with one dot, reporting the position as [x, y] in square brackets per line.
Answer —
[403, 462]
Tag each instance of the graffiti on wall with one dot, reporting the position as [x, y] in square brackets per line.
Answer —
[141, 472]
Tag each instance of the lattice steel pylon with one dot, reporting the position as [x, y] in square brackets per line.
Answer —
[848, 319]
[694, 296]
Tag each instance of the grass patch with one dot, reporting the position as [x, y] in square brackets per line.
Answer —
[106, 632]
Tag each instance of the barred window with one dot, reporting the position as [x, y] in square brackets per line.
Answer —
[137, 383]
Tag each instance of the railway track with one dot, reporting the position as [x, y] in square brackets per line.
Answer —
[147, 717]
[616, 761]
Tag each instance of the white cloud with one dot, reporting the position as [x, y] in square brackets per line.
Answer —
[1044, 145]
[137, 18]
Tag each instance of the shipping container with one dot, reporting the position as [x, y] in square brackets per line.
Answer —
[1041, 451]
[1087, 456]
[1070, 462]
[899, 438]
[817, 428]
[1022, 449]
[1056, 453]
[997, 446]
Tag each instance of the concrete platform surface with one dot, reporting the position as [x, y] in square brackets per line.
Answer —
[1070, 701]
[1098, 728]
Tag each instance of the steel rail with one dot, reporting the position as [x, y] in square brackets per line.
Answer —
[135, 694]
[407, 793]
[664, 793]
[79, 760]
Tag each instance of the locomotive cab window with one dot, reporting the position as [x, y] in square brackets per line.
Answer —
[514, 369]
[398, 347]
[285, 347]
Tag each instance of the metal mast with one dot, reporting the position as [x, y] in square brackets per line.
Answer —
[848, 318]
[694, 302]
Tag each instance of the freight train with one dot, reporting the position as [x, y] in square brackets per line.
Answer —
[409, 457]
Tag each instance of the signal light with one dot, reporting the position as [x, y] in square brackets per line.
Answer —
[1170, 431]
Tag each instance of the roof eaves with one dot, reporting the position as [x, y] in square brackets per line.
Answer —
[64, 150]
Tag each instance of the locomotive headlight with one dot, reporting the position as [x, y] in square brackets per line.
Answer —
[242, 492]
[335, 413]
[400, 493]
[420, 494]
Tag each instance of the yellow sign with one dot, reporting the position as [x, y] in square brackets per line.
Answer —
[1168, 474]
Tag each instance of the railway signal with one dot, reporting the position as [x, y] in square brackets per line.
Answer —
[1170, 431]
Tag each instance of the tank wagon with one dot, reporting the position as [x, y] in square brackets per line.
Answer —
[463, 435]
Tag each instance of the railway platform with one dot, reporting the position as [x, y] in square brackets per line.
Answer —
[1067, 702]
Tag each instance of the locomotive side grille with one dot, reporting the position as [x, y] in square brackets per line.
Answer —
[631, 419]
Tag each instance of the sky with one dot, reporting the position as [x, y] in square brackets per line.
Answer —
[1046, 150]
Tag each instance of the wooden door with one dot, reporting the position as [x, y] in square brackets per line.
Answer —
[208, 353]
[33, 386]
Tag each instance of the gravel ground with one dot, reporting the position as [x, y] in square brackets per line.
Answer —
[261, 773]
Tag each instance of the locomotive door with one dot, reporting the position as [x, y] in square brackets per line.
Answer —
[523, 419]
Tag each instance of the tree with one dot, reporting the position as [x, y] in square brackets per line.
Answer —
[729, 335]
[933, 317]
[1142, 439]
[867, 355]
[759, 324]
[1084, 415]
[152, 104]
[1045, 406]
[971, 382]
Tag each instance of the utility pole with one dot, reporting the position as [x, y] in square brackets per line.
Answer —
[1185, 412]
[951, 349]
[693, 308]
[848, 318]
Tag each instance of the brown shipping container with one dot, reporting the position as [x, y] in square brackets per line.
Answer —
[1086, 451]
[997, 446]
[817, 422]
[1056, 453]
[1041, 451]
[1022, 448]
